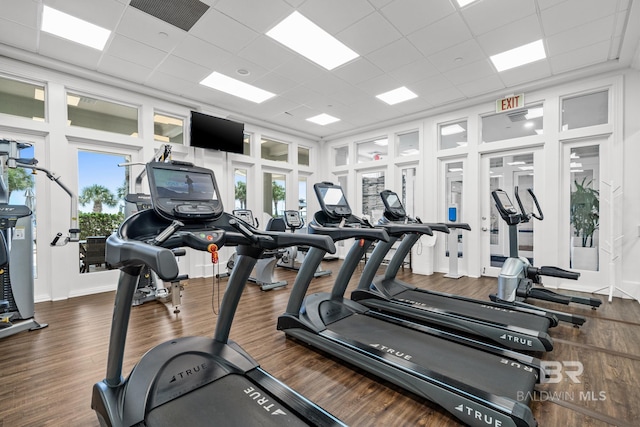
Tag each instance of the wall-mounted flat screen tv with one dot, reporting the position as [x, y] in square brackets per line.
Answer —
[216, 133]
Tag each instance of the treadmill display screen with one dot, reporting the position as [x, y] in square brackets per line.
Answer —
[332, 200]
[183, 191]
[184, 185]
[393, 206]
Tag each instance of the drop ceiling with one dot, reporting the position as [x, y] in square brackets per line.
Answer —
[435, 48]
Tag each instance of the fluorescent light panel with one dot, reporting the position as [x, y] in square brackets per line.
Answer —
[463, 3]
[306, 38]
[519, 56]
[237, 88]
[323, 119]
[397, 95]
[74, 29]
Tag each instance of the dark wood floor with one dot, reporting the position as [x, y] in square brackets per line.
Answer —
[47, 375]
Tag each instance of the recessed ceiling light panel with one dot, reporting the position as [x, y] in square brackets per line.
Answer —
[303, 36]
[323, 119]
[75, 29]
[519, 56]
[236, 88]
[397, 95]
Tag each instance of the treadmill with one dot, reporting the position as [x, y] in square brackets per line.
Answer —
[193, 381]
[476, 383]
[492, 322]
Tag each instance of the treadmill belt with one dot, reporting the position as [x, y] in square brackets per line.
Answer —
[475, 310]
[467, 365]
[230, 401]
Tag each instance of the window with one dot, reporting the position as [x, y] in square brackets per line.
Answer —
[101, 191]
[303, 156]
[584, 207]
[513, 124]
[302, 197]
[372, 185]
[408, 144]
[373, 150]
[274, 150]
[453, 135]
[408, 190]
[341, 156]
[585, 110]
[168, 128]
[246, 150]
[22, 99]
[275, 193]
[98, 114]
[240, 179]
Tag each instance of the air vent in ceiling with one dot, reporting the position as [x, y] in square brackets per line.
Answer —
[179, 13]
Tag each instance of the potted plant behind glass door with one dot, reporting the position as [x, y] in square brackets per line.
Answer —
[585, 218]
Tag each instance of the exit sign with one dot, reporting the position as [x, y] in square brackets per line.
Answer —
[510, 103]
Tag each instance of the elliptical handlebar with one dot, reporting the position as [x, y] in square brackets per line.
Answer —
[528, 215]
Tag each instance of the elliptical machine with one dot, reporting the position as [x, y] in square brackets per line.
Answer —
[518, 278]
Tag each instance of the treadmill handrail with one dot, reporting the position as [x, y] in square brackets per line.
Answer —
[342, 233]
[397, 230]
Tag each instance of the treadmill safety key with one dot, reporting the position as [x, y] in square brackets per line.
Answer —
[213, 249]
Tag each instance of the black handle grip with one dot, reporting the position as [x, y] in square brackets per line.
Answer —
[558, 272]
[55, 239]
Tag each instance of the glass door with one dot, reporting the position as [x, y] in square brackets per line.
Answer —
[506, 171]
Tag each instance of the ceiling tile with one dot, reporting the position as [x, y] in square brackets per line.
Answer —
[394, 55]
[334, 16]
[471, 72]
[487, 84]
[274, 82]
[136, 52]
[380, 84]
[267, 52]
[202, 53]
[484, 16]
[410, 15]
[21, 12]
[581, 36]
[520, 32]
[68, 51]
[181, 68]
[445, 96]
[445, 33]
[14, 34]
[260, 16]
[357, 71]
[579, 58]
[431, 84]
[218, 29]
[414, 71]
[571, 13]
[149, 30]
[526, 73]
[300, 70]
[126, 70]
[369, 34]
[457, 56]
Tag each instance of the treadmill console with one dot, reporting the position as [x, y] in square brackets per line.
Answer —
[393, 208]
[332, 200]
[244, 214]
[183, 191]
[293, 219]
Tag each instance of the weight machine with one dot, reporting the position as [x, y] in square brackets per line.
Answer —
[17, 306]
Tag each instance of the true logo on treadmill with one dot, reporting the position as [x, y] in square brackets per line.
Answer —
[516, 339]
[263, 401]
[188, 372]
[489, 420]
[393, 351]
